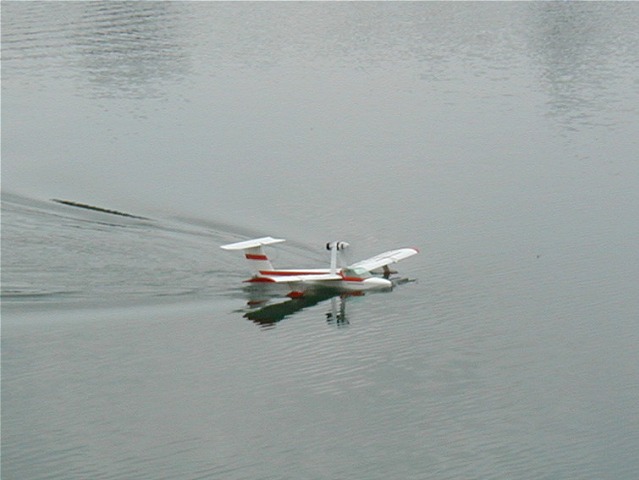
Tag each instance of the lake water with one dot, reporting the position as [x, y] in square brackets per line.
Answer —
[501, 139]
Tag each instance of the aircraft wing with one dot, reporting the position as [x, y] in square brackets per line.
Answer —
[386, 258]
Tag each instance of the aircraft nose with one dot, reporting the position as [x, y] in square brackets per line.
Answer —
[376, 282]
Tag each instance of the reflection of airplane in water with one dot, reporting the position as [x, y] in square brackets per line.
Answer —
[264, 313]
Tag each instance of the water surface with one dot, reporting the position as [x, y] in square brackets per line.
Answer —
[500, 139]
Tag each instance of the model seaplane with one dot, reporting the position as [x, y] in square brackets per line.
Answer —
[358, 277]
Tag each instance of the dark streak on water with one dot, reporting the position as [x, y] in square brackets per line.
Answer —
[97, 209]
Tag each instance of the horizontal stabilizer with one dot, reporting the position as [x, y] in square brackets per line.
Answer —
[256, 242]
[385, 258]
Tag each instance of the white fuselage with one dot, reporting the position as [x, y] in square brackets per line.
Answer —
[324, 278]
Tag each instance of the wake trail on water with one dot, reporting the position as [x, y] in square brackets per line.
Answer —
[69, 253]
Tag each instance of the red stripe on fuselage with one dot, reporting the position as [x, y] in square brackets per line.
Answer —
[352, 279]
[301, 273]
[253, 256]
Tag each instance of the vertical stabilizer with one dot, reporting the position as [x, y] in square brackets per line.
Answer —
[254, 252]
[257, 259]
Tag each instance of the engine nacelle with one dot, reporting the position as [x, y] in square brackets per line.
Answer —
[337, 245]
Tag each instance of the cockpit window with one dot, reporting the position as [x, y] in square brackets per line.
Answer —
[357, 272]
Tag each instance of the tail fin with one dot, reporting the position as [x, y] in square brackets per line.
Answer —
[254, 252]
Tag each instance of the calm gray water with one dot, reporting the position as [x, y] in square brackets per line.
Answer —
[499, 138]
